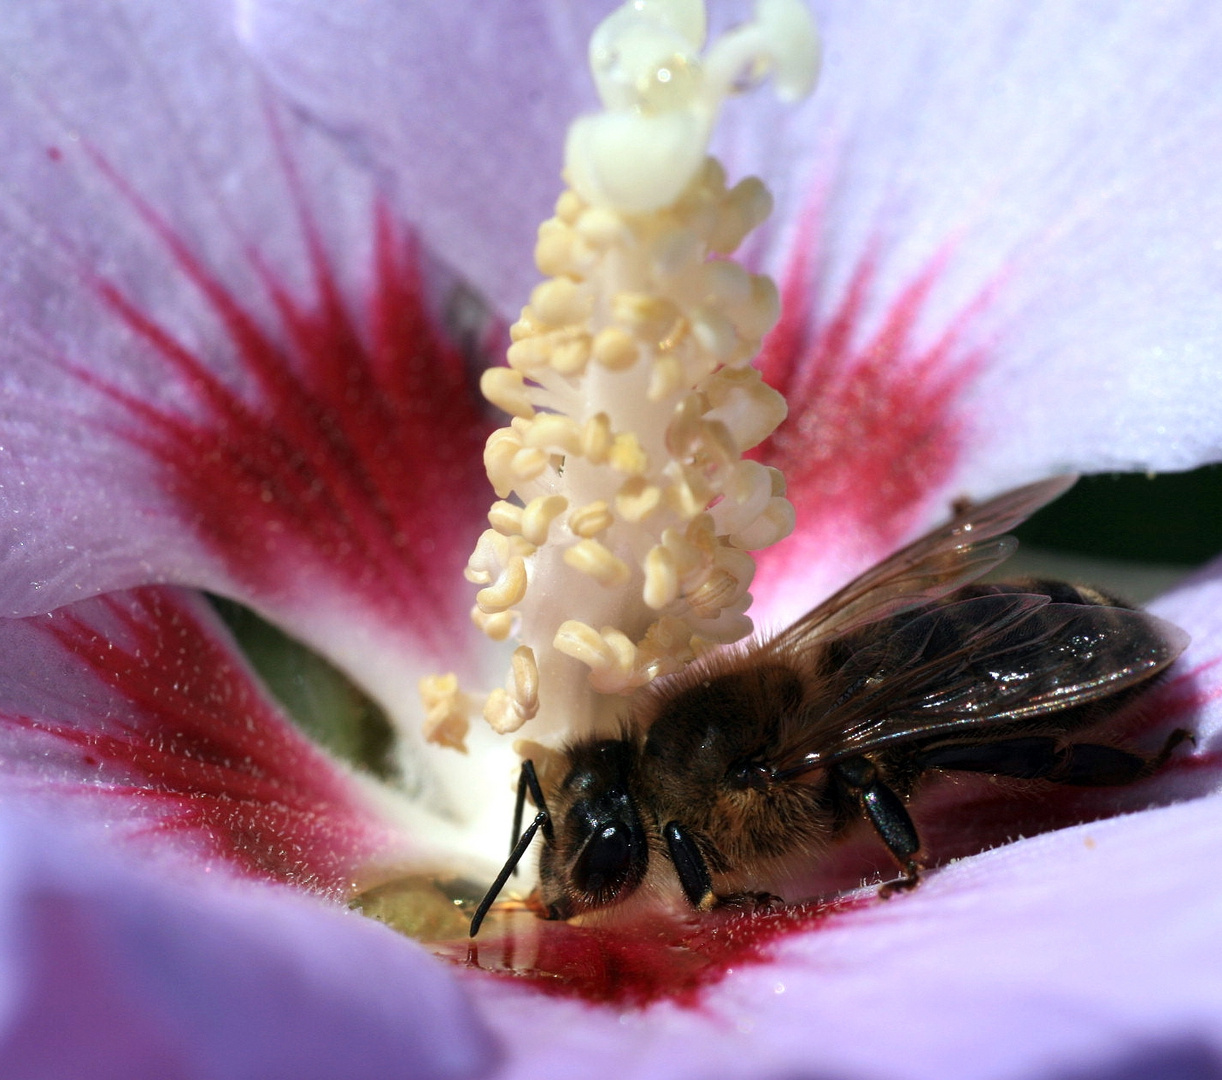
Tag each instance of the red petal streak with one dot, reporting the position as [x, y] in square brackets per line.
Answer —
[187, 744]
[873, 430]
[353, 456]
[638, 965]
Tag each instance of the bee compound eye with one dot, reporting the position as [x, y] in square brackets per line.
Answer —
[607, 860]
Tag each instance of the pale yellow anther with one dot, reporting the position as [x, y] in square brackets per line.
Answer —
[716, 333]
[507, 591]
[497, 625]
[447, 711]
[560, 302]
[596, 439]
[666, 647]
[661, 578]
[746, 493]
[627, 455]
[601, 228]
[610, 655]
[538, 516]
[569, 206]
[527, 325]
[720, 590]
[735, 561]
[529, 354]
[502, 447]
[615, 349]
[745, 207]
[583, 643]
[648, 317]
[524, 673]
[761, 315]
[665, 379]
[691, 561]
[623, 651]
[779, 486]
[488, 559]
[505, 518]
[554, 252]
[725, 282]
[774, 524]
[570, 356]
[554, 433]
[501, 713]
[685, 499]
[526, 465]
[749, 407]
[506, 389]
[637, 499]
[597, 561]
[589, 520]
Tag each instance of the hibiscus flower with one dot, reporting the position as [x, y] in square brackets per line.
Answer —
[243, 248]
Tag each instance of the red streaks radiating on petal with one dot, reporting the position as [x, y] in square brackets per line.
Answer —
[873, 430]
[187, 744]
[352, 458]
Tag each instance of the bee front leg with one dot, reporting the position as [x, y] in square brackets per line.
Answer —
[888, 815]
[689, 863]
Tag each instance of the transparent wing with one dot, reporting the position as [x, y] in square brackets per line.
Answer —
[987, 660]
[949, 557]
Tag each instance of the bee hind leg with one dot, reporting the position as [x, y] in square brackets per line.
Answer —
[1042, 757]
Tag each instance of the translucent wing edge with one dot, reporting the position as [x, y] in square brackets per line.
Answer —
[953, 555]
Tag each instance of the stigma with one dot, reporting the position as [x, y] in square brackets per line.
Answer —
[620, 545]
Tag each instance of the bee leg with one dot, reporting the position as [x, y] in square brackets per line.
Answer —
[754, 902]
[1041, 757]
[693, 871]
[888, 815]
[527, 778]
[515, 856]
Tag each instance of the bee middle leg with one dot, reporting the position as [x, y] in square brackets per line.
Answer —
[887, 813]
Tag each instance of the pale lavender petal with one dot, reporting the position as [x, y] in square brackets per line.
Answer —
[462, 106]
[1046, 174]
[1092, 951]
[997, 233]
[109, 972]
[222, 364]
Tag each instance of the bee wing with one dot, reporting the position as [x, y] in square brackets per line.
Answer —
[987, 660]
[967, 547]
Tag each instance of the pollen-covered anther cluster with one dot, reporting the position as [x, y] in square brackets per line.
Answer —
[627, 512]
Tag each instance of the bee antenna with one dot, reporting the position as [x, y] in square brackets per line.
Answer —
[542, 821]
[528, 778]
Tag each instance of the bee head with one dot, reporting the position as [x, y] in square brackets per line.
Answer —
[600, 853]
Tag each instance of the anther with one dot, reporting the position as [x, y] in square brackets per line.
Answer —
[592, 558]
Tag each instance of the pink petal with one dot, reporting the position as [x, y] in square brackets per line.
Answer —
[135, 711]
[223, 362]
[110, 972]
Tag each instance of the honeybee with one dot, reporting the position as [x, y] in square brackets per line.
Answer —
[760, 753]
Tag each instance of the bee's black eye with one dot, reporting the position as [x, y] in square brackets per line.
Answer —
[606, 861]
